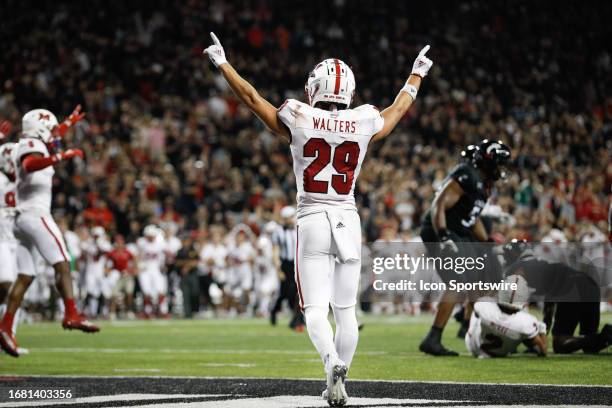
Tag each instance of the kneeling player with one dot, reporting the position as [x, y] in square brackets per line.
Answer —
[497, 328]
[33, 159]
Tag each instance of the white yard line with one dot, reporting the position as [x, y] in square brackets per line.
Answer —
[138, 370]
[183, 351]
[192, 377]
[239, 365]
[108, 398]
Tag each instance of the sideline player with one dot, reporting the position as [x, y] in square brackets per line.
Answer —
[328, 143]
[8, 243]
[95, 248]
[151, 260]
[498, 327]
[34, 158]
[454, 217]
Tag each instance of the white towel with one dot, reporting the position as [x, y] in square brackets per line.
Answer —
[348, 252]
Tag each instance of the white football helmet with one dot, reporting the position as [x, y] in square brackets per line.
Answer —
[6, 162]
[150, 231]
[98, 231]
[515, 299]
[39, 123]
[331, 81]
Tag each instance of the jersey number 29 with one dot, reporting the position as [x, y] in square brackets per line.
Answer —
[345, 160]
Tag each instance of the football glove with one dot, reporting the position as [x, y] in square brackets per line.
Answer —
[215, 52]
[76, 115]
[5, 128]
[69, 154]
[446, 242]
[422, 64]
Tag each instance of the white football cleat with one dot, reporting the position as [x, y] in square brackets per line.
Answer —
[335, 394]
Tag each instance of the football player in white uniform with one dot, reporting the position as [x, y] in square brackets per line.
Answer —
[497, 328]
[266, 264]
[8, 243]
[328, 143]
[33, 159]
[241, 256]
[96, 282]
[151, 259]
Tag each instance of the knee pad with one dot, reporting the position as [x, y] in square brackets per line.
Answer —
[315, 315]
[345, 317]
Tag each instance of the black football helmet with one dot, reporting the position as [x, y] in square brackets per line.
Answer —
[492, 157]
[514, 249]
[467, 154]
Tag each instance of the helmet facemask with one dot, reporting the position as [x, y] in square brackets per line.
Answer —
[493, 159]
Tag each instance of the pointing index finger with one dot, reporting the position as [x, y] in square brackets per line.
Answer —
[423, 51]
[215, 39]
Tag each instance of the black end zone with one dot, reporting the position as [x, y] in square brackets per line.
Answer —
[232, 389]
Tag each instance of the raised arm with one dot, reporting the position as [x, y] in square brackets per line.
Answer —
[406, 96]
[264, 110]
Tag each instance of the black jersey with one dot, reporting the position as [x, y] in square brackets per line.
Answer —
[461, 217]
[555, 281]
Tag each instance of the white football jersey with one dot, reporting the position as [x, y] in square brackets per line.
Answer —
[33, 189]
[7, 208]
[493, 333]
[95, 250]
[217, 253]
[328, 149]
[151, 255]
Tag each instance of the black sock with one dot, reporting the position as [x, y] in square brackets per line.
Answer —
[435, 333]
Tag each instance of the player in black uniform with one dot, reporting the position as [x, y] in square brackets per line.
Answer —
[454, 218]
[610, 223]
[574, 296]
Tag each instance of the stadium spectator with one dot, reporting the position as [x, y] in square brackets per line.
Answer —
[167, 142]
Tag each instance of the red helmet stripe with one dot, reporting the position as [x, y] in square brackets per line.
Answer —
[337, 88]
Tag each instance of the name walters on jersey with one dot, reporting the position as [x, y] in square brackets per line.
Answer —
[328, 148]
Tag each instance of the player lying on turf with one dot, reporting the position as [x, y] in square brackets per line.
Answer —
[498, 327]
[33, 159]
[328, 143]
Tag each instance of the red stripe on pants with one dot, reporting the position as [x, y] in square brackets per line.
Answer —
[297, 268]
[55, 238]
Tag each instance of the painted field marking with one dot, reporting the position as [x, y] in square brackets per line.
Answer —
[184, 351]
[197, 377]
[240, 365]
[110, 398]
[138, 370]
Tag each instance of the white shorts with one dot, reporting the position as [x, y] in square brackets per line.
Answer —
[472, 339]
[321, 279]
[39, 230]
[109, 282]
[26, 261]
[94, 280]
[152, 282]
[8, 257]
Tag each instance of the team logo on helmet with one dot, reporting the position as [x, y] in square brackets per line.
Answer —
[331, 81]
[39, 123]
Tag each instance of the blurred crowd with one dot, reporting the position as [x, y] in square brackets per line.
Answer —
[167, 143]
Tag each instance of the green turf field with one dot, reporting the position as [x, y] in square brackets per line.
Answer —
[252, 348]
